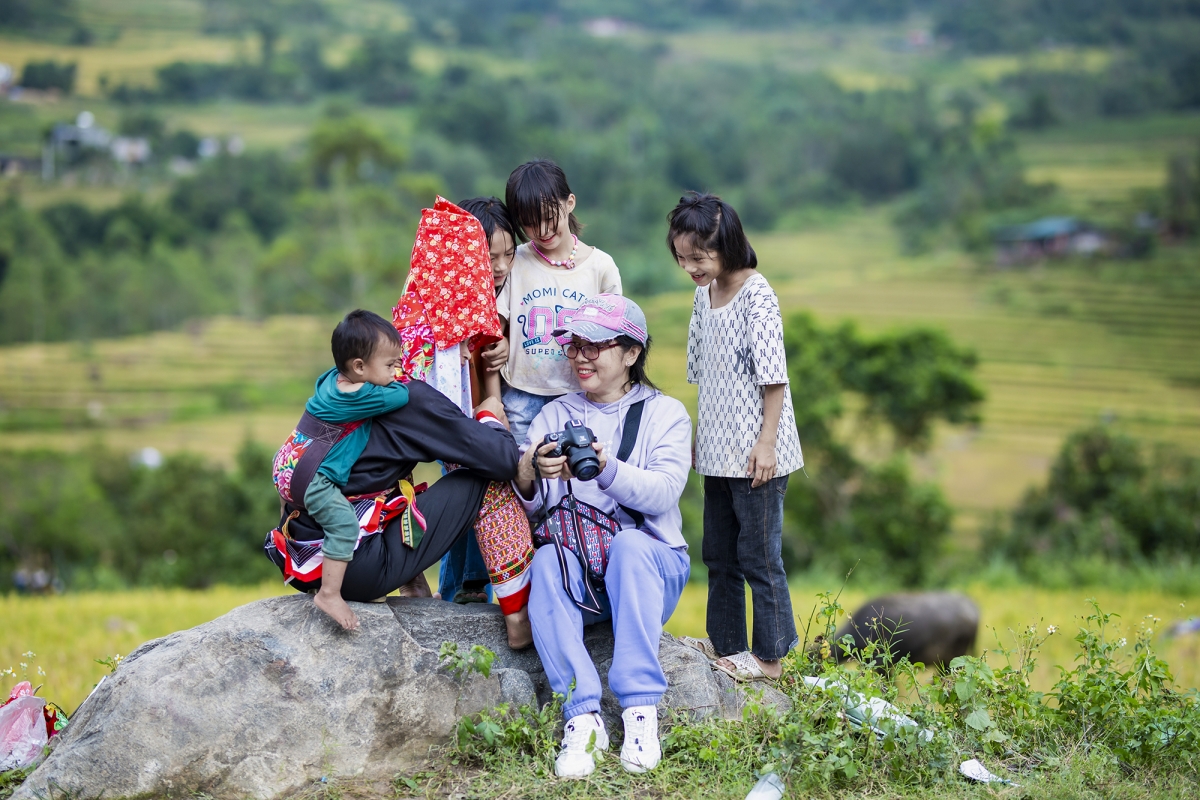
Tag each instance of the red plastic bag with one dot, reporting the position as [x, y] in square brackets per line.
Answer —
[22, 731]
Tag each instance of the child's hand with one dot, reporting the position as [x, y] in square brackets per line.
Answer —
[762, 463]
[493, 405]
[495, 356]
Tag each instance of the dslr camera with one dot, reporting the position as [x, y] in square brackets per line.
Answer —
[575, 442]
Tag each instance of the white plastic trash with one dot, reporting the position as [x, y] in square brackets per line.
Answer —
[978, 772]
[868, 712]
[22, 732]
[769, 787]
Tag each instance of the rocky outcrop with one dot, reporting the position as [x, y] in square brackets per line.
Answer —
[273, 697]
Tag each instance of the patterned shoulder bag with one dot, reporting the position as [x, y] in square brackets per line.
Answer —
[580, 531]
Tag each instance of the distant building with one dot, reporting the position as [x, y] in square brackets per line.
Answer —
[70, 143]
[66, 138]
[11, 166]
[607, 27]
[130, 150]
[1049, 237]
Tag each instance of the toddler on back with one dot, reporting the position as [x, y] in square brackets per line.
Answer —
[366, 350]
[553, 273]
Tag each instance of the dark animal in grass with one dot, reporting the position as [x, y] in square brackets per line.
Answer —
[930, 627]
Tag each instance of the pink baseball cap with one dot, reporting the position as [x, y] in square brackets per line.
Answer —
[603, 317]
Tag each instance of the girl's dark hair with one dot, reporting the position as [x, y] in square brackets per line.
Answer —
[533, 194]
[637, 373]
[714, 227]
[492, 215]
[358, 336]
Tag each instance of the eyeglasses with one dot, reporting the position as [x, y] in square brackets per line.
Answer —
[590, 351]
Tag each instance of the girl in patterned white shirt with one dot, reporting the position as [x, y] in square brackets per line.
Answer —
[746, 441]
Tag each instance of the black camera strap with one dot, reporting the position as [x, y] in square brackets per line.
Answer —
[633, 421]
[629, 434]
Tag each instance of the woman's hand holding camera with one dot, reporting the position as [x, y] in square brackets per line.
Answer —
[551, 466]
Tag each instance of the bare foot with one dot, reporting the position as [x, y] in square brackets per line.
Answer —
[417, 587]
[336, 607]
[520, 632]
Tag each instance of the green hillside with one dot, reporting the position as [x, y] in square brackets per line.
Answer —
[1061, 345]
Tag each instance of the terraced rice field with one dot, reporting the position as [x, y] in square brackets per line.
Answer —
[1104, 161]
[1059, 349]
[203, 389]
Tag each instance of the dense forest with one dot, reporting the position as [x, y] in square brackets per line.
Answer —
[327, 227]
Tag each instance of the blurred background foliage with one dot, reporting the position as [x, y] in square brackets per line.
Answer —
[356, 114]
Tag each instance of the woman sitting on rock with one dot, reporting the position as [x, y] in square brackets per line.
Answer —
[607, 343]
[402, 546]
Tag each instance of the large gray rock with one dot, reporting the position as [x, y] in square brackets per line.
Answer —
[273, 697]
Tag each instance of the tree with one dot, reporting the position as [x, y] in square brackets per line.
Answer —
[347, 144]
[876, 163]
[258, 185]
[267, 19]
[37, 15]
[1182, 195]
[49, 74]
[849, 512]
[912, 378]
[381, 68]
[1107, 500]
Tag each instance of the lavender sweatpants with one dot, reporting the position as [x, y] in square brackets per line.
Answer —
[644, 580]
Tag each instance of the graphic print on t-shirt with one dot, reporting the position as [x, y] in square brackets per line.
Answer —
[541, 312]
[535, 301]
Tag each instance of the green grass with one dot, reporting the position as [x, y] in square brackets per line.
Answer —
[67, 633]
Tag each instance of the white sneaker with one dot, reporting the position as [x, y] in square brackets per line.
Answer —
[641, 751]
[577, 758]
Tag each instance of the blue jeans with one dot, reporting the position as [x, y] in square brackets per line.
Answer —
[743, 542]
[644, 580]
[521, 408]
[462, 563]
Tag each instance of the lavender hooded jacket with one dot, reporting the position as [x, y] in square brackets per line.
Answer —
[651, 480]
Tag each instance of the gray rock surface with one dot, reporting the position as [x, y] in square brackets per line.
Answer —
[273, 696]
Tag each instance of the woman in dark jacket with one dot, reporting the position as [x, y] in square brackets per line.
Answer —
[429, 428]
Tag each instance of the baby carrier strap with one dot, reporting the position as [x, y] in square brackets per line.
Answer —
[324, 436]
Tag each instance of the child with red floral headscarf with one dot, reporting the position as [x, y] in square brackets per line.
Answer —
[448, 309]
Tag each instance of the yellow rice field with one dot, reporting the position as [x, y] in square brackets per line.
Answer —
[67, 633]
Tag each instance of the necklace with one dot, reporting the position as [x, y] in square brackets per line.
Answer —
[569, 263]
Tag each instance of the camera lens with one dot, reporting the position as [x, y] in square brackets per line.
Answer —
[585, 465]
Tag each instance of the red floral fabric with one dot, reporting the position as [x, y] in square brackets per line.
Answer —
[451, 273]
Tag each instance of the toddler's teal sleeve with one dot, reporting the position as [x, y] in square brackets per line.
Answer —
[333, 512]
